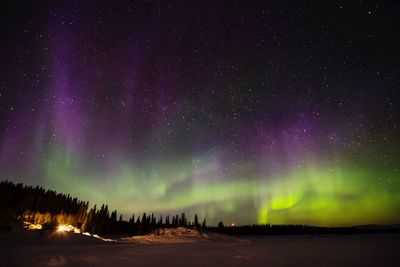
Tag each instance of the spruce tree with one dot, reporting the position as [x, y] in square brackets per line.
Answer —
[196, 222]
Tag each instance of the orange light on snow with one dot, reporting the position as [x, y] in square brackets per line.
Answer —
[65, 228]
[32, 226]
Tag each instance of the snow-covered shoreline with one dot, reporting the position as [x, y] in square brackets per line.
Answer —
[180, 247]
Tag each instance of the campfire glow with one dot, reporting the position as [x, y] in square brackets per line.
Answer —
[32, 226]
[64, 228]
[68, 228]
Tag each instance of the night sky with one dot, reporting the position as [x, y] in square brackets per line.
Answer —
[241, 111]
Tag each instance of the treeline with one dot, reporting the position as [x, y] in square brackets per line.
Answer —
[293, 229]
[37, 205]
[49, 208]
[264, 229]
[102, 222]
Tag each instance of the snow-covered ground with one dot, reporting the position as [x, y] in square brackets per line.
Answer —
[181, 247]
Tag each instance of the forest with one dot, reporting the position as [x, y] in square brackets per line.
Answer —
[35, 205]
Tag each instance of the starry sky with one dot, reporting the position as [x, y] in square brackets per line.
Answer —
[241, 111]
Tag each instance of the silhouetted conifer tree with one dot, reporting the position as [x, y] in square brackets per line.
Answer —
[204, 224]
[144, 219]
[196, 222]
[182, 220]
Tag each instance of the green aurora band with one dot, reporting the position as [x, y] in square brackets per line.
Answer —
[335, 195]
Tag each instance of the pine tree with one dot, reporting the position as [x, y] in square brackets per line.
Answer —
[182, 220]
[204, 224]
[196, 222]
[144, 218]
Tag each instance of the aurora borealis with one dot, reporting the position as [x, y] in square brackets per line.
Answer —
[241, 111]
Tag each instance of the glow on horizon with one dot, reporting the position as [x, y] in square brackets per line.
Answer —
[313, 195]
[162, 111]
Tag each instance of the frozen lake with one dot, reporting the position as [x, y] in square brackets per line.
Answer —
[217, 250]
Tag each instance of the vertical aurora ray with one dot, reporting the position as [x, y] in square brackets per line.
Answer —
[339, 195]
[153, 108]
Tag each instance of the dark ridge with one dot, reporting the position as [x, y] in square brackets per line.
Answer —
[303, 229]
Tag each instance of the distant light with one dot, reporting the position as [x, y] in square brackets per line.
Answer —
[233, 225]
